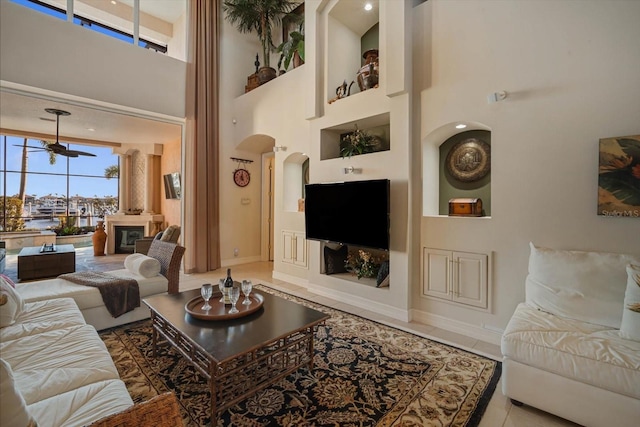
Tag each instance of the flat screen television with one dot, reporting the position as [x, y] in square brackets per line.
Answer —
[352, 213]
[172, 188]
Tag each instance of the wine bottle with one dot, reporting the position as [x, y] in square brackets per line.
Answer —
[228, 284]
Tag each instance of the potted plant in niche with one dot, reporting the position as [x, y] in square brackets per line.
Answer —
[357, 142]
[293, 48]
[261, 16]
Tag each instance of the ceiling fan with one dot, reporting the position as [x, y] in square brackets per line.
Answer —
[56, 147]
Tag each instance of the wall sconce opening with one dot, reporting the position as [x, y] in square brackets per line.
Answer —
[351, 170]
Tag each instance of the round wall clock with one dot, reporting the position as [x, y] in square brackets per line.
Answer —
[469, 160]
[241, 177]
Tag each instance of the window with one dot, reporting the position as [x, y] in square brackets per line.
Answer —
[82, 188]
[91, 24]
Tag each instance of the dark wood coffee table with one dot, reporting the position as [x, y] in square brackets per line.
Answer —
[33, 264]
[239, 356]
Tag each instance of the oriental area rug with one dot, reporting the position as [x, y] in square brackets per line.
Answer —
[365, 374]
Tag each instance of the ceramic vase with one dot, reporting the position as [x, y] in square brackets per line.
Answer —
[266, 74]
[367, 76]
[99, 239]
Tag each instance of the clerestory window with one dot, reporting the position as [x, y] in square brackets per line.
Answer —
[100, 27]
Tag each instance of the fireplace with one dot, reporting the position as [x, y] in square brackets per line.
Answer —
[126, 236]
[149, 223]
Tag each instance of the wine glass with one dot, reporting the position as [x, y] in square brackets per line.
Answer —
[234, 295]
[206, 291]
[221, 288]
[247, 286]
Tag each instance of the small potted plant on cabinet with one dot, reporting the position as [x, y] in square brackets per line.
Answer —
[261, 16]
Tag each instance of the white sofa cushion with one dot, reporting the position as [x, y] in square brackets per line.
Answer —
[43, 316]
[630, 327]
[13, 409]
[587, 286]
[86, 296]
[82, 406]
[50, 363]
[585, 352]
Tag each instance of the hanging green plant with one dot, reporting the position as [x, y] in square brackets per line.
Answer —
[357, 142]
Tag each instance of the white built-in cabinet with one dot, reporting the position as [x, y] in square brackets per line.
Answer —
[294, 248]
[460, 277]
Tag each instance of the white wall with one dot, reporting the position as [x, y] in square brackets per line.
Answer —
[571, 71]
[47, 53]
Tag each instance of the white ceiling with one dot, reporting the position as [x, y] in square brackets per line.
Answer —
[26, 114]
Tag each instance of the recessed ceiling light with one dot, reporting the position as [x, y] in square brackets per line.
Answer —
[91, 129]
[461, 126]
[114, 2]
[368, 6]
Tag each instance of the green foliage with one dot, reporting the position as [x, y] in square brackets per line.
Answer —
[10, 217]
[294, 44]
[112, 171]
[105, 206]
[357, 142]
[259, 16]
[363, 264]
[67, 226]
[52, 156]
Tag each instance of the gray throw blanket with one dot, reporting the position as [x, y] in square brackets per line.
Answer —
[119, 294]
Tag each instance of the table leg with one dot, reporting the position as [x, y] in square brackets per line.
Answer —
[214, 402]
[312, 335]
[154, 334]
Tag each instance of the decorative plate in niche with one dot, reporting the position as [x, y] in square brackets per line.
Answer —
[469, 160]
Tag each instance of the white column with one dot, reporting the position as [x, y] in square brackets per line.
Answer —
[123, 184]
[148, 185]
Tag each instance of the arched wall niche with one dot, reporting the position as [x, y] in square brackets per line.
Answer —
[295, 172]
[431, 163]
[257, 143]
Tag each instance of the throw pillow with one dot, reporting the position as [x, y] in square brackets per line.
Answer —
[630, 327]
[142, 265]
[13, 409]
[334, 259]
[383, 275]
[171, 234]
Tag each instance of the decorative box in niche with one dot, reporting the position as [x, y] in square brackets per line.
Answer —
[465, 207]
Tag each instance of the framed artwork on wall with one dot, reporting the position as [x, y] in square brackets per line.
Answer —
[619, 177]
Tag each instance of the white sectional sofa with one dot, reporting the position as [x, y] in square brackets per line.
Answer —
[55, 370]
[89, 300]
[563, 349]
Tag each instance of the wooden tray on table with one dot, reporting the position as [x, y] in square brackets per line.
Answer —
[220, 311]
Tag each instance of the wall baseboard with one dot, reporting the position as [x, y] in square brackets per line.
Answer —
[462, 328]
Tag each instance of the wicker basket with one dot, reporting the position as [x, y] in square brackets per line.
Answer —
[160, 411]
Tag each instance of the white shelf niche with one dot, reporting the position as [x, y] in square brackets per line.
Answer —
[347, 23]
[330, 137]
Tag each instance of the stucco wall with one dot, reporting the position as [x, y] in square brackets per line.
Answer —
[170, 162]
[83, 63]
[571, 74]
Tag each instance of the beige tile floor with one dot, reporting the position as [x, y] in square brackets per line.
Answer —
[499, 413]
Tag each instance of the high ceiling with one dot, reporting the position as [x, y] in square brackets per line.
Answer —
[22, 113]
[26, 114]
